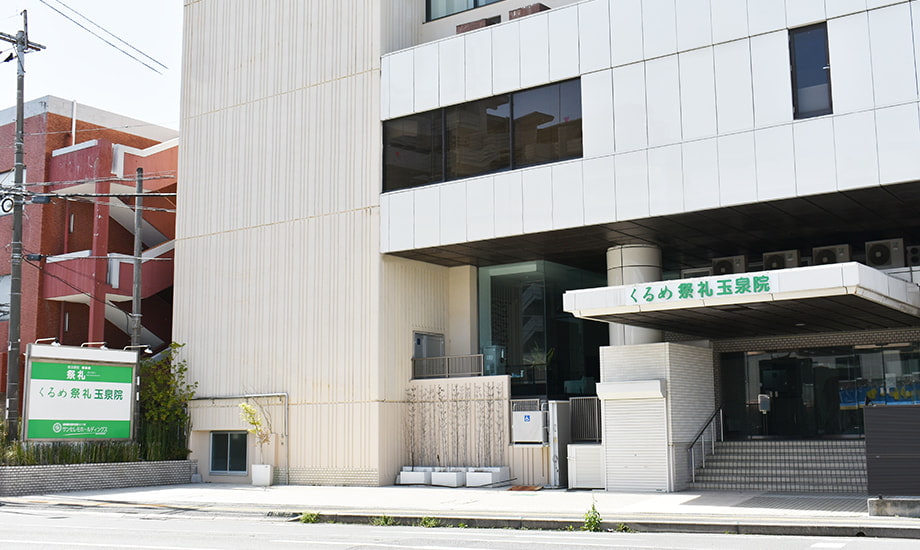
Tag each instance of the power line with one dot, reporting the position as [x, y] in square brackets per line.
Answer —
[77, 23]
[109, 33]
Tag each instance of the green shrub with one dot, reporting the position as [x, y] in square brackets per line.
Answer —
[309, 517]
[383, 520]
[593, 520]
[429, 522]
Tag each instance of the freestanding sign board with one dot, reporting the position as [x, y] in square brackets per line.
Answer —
[76, 393]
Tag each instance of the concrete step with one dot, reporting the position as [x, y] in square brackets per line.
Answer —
[798, 487]
[831, 466]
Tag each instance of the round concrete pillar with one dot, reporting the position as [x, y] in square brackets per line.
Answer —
[630, 264]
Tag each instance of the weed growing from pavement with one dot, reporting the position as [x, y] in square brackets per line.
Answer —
[593, 520]
[309, 517]
[623, 528]
[429, 522]
[383, 520]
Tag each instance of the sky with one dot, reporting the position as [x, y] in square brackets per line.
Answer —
[75, 65]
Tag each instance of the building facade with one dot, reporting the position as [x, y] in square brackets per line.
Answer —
[77, 276]
[734, 182]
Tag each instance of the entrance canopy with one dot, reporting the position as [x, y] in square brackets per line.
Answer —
[827, 298]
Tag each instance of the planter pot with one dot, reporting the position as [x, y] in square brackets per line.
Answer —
[448, 479]
[414, 478]
[262, 475]
[479, 477]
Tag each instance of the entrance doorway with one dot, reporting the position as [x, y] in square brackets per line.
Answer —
[814, 392]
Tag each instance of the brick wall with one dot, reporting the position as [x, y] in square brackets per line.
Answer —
[31, 480]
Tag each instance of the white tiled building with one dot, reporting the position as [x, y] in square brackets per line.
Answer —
[364, 185]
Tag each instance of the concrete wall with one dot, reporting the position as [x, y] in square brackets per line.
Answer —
[59, 478]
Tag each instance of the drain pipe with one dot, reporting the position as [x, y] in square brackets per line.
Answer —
[287, 415]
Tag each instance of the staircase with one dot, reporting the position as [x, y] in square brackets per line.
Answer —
[815, 466]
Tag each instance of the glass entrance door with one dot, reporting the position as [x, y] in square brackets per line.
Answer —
[786, 383]
[815, 392]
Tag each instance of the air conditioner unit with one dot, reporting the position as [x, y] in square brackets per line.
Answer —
[781, 259]
[834, 254]
[729, 265]
[694, 272]
[913, 256]
[885, 254]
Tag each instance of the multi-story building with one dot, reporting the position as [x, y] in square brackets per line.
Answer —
[379, 183]
[78, 235]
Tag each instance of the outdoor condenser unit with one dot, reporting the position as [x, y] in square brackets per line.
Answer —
[834, 254]
[729, 265]
[781, 259]
[885, 254]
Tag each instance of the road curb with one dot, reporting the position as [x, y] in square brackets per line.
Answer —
[629, 525]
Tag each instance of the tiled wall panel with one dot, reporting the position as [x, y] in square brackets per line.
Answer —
[594, 35]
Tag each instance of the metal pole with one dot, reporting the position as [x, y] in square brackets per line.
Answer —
[12, 369]
[12, 366]
[138, 243]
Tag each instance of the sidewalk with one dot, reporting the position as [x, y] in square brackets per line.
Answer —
[714, 512]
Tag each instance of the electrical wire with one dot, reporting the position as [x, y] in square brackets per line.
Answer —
[110, 34]
[77, 23]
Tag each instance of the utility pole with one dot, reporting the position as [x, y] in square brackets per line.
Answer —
[138, 243]
[23, 45]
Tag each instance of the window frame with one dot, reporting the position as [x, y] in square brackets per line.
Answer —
[796, 113]
[476, 4]
[387, 185]
[228, 471]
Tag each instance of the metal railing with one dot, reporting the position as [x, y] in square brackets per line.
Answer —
[452, 366]
[585, 418]
[714, 426]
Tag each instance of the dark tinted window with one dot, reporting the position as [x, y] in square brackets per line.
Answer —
[443, 8]
[413, 153]
[478, 137]
[547, 124]
[228, 452]
[811, 79]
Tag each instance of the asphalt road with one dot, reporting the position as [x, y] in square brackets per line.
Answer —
[56, 528]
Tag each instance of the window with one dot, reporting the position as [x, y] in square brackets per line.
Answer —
[478, 137]
[443, 8]
[228, 453]
[547, 124]
[525, 128]
[811, 79]
[413, 150]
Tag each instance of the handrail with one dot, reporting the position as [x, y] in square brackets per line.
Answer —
[709, 420]
[712, 418]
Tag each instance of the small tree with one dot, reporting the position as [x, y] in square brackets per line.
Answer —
[164, 395]
[258, 426]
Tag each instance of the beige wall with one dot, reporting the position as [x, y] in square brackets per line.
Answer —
[463, 324]
[279, 284]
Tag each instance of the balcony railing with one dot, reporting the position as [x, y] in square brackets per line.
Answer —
[452, 366]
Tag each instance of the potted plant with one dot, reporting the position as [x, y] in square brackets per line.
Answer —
[261, 429]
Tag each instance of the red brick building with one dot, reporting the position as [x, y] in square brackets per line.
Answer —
[80, 289]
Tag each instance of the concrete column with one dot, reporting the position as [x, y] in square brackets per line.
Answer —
[629, 264]
[462, 326]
